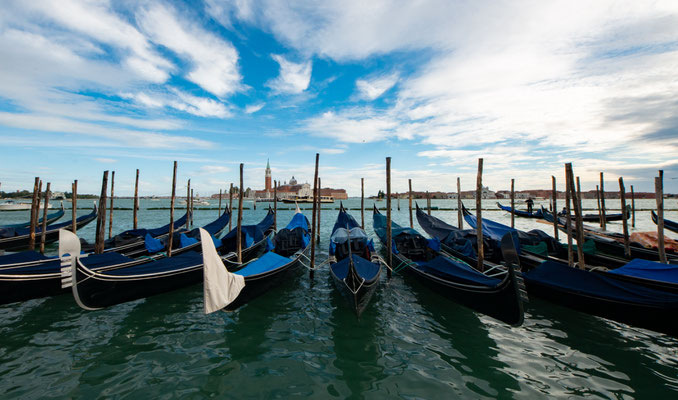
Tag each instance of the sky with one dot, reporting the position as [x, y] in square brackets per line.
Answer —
[88, 86]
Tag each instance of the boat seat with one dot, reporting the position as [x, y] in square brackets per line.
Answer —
[358, 247]
[288, 242]
[414, 247]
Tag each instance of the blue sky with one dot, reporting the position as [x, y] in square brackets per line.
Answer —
[528, 85]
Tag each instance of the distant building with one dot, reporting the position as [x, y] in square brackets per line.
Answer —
[293, 188]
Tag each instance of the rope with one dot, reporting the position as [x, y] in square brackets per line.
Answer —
[358, 289]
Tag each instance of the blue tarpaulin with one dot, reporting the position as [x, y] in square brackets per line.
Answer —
[649, 270]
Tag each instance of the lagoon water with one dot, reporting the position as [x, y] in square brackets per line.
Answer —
[302, 339]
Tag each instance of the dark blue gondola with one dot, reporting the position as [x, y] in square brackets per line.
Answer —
[495, 296]
[51, 218]
[287, 253]
[520, 213]
[668, 224]
[354, 267]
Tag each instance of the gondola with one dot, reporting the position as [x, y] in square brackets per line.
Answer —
[520, 213]
[496, 296]
[29, 275]
[596, 217]
[668, 224]
[133, 239]
[17, 239]
[230, 288]
[51, 218]
[354, 265]
[612, 243]
[119, 283]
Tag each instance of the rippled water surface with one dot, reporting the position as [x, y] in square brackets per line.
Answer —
[302, 339]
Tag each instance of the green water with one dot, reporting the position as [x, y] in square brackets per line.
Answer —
[302, 340]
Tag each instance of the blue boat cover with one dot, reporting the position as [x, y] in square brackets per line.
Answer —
[152, 244]
[21, 257]
[563, 277]
[251, 233]
[142, 232]
[379, 223]
[494, 230]
[649, 270]
[186, 241]
[365, 269]
[340, 234]
[186, 260]
[538, 213]
[11, 232]
[299, 220]
[268, 262]
[455, 270]
[216, 226]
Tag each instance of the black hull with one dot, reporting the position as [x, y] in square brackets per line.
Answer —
[520, 213]
[17, 289]
[20, 243]
[358, 299]
[652, 318]
[502, 302]
[668, 224]
[257, 285]
[94, 291]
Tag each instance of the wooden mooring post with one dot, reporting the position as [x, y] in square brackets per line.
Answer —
[230, 206]
[389, 238]
[238, 236]
[313, 217]
[513, 204]
[136, 200]
[460, 215]
[171, 225]
[479, 217]
[600, 214]
[34, 214]
[74, 206]
[409, 181]
[362, 203]
[633, 208]
[275, 206]
[219, 209]
[568, 220]
[554, 205]
[191, 208]
[101, 217]
[625, 223]
[428, 202]
[43, 231]
[110, 216]
[578, 216]
[659, 196]
[603, 219]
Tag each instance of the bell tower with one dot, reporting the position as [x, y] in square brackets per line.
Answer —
[268, 185]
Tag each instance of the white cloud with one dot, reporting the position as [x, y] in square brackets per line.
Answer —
[294, 78]
[214, 60]
[214, 169]
[371, 89]
[200, 106]
[252, 108]
[106, 160]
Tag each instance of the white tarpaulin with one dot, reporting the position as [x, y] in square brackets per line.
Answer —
[221, 287]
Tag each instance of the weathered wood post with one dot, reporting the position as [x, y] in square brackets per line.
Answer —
[275, 206]
[603, 219]
[101, 218]
[34, 213]
[188, 204]
[389, 234]
[191, 208]
[479, 217]
[428, 202]
[577, 214]
[319, 208]
[219, 209]
[633, 208]
[513, 204]
[409, 181]
[241, 193]
[136, 199]
[460, 215]
[110, 217]
[74, 207]
[362, 203]
[230, 206]
[568, 220]
[171, 226]
[43, 232]
[315, 202]
[600, 214]
[554, 197]
[659, 196]
[625, 223]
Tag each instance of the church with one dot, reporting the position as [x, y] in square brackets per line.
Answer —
[290, 189]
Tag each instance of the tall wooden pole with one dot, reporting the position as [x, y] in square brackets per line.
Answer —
[110, 217]
[603, 220]
[554, 197]
[275, 205]
[188, 204]
[633, 208]
[398, 197]
[659, 196]
[191, 208]
[600, 213]
[389, 234]
[460, 216]
[230, 206]
[409, 181]
[315, 198]
[136, 200]
[219, 209]
[578, 216]
[317, 229]
[568, 220]
[362, 203]
[625, 223]
[428, 202]
[241, 193]
[479, 216]
[34, 214]
[43, 232]
[74, 207]
[513, 204]
[171, 226]
[101, 218]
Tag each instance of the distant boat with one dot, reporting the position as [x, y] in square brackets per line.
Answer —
[11, 205]
[308, 199]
